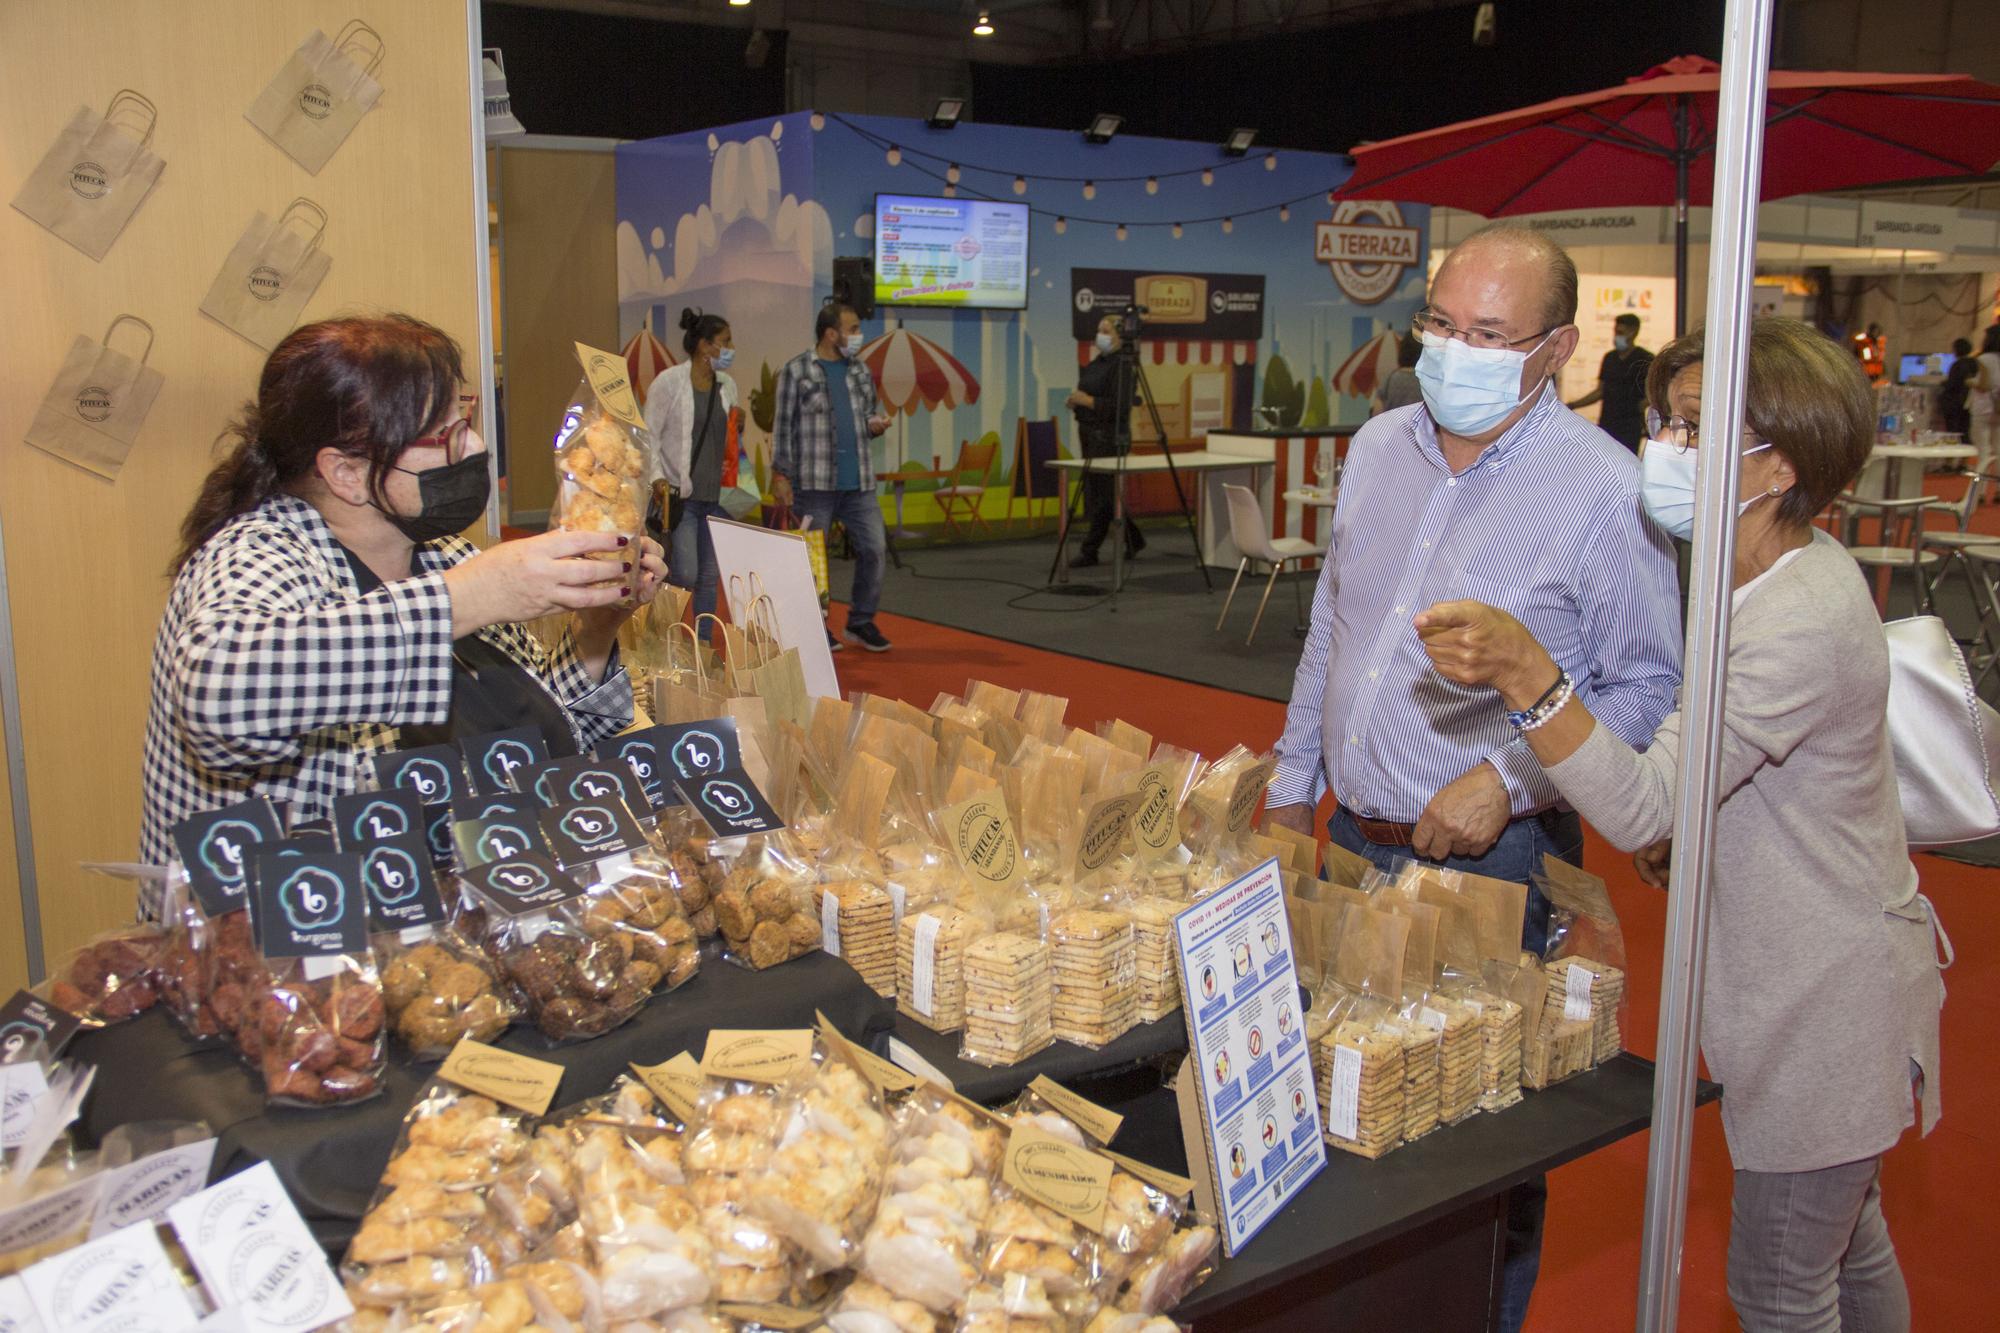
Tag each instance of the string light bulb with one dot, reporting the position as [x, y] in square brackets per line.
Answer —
[950, 190]
[1228, 224]
[1062, 225]
[1284, 213]
[1020, 185]
[951, 174]
[1121, 231]
[895, 156]
[1177, 231]
[818, 122]
[1152, 185]
[1270, 161]
[1207, 176]
[1090, 189]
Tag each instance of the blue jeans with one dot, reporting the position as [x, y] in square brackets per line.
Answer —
[1514, 857]
[861, 514]
[691, 562]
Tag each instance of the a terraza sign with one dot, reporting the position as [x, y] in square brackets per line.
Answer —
[1367, 247]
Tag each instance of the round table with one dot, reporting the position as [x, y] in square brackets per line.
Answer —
[1313, 499]
[1894, 454]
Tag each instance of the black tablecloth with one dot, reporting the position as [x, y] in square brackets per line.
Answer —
[1142, 1046]
[330, 1159]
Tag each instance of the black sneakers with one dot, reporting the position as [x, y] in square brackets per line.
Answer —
[869, 637]
[833, 645]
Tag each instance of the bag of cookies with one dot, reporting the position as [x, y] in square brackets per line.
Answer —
[602, 473]
[211, 964]
[820, 1186]
[1040, 1252]
[633, 897]
[1155, 1251]
[1009, 998]
[1585, 957]
[923, 1244]
[573, 983]
[318, 1034]
[765, 906]
[1094, 970]
[739, 1115]
[114, 977]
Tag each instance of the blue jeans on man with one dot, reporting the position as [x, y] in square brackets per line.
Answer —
[691, 561]
[1515, 857]
[861, 514]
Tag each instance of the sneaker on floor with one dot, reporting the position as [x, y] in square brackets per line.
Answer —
[868, 637]
[833, 645]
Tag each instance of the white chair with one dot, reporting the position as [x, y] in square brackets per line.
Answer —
[1902, 528]
[1951, 545]
[1251, 533]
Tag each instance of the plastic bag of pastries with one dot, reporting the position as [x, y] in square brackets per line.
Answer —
[420, 1239]
[923, 1244]
[633, 898]
[601, 473]
[1026, 1242]
[1154, 1250]
[440, 989]
[764, 907]
[114, 977]
[649, 1255]
[575, 980]
[819, 1187]
[682, 842]
[211, 971]
[738, 1116]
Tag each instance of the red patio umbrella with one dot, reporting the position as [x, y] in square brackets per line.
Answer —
[1368, 365]
[1641, 143]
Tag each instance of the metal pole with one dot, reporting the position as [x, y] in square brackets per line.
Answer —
[1681, 215]
[482, 268]
[1739, 141]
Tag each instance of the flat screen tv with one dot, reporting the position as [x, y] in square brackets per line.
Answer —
[968, 254]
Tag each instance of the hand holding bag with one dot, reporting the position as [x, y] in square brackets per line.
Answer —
[1946, 739]
[88, 185]
[270, 274]
[92, 413]
[321, 94]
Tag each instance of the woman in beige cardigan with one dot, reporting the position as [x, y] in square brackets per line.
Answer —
[1820, 1008]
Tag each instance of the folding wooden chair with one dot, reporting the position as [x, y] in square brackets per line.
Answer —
[962, 496]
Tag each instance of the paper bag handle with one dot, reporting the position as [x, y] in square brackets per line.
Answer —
[128, 95]
[355, 28]
[739, 598]
[298, 206]
[131, 319]
[694, 653]
[764, 612]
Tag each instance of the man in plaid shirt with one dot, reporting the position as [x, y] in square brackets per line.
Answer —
[826, 414]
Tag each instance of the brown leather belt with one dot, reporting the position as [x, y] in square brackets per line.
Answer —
[1385, 833]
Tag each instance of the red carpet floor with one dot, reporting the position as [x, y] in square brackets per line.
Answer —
[1590, 1270]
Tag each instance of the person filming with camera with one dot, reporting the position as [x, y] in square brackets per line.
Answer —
[1102, 402]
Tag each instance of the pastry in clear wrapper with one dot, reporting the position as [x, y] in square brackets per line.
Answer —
[820, 1186]
[439, 991]
[114, 977]
[765, 906]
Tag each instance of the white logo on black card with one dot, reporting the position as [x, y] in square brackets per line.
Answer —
[392, 874]
[698, 753]
[381, 819]
[497, 844]
[312, 899]
[595, 785]
[520, 880]
[642, 757]
[506, 758]
[427, 777]
[222, 847]
[588, 823]
[726, 799]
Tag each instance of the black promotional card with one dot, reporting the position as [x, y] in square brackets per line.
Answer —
[309, 904]
[402, 887]
[645, 752]
[730, 804]
[522, 885]
[437, 832]
[435, 773]
[493, 828]
[590, 831]
[370, 816]
[582, 778]
[215, 847]
[701, 749]
[26, 1019]
[498, 760]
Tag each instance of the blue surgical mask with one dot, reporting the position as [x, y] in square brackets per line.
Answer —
[1621, 342]
[1470, 390]
[1104, 343]
[1666, 487]
[724, 358]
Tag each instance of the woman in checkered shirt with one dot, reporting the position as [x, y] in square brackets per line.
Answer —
[324, 608]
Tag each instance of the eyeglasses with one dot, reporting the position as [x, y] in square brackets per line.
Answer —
[1430, 321]
[452, 438]
[1682, 434]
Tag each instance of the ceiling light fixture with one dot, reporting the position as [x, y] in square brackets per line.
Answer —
[983, 28]
[1229, 224]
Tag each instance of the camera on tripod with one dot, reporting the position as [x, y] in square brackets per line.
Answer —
[1132, 323]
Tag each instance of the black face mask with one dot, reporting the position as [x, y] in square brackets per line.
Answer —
[454, 496]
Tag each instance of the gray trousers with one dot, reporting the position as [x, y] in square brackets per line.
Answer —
[1809, 1252]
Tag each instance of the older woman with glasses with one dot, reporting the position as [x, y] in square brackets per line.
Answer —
[1820, 1007]
[324, 607]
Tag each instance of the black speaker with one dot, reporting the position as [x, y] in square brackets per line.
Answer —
[854, 283]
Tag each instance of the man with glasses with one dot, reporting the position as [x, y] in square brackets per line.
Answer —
[1489, 489]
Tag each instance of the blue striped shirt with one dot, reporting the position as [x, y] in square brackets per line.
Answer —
[1545, 524]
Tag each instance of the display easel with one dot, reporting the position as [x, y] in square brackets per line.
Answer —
[1035, 443]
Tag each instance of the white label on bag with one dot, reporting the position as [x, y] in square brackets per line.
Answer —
[908, 1059]
[829, 923]
[532, 927]
[253, 1250]
[1343, 1112]
[122, 1281]
[1576, 993]
[320, 968]
[898, 895]
[147, 1188]
[415, 934]
[613, 869]
[1431, 1018]
[923, 966]
[17, 1312]
[22, 1087]
[39, 1221]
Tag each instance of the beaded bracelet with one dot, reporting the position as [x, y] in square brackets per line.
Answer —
[1546, 708]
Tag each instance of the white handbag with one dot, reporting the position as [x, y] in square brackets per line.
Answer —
[1946, 739]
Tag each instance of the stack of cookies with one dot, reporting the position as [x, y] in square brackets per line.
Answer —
[1094, 963]
[1008, 998]
[1421, 1077]
[1361, 1089]
[1500, 1053]
[1560, 1050]
[1153, 935]
[1585, 990]
[930, 966]
[1459, 1048]
[858, 923]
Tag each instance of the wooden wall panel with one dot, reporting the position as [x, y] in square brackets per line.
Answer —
[559, 287]
[87, 558]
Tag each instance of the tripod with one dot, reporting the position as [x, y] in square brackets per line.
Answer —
[1129, 372]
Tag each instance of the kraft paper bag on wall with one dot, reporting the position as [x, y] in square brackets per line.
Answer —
[321, 94]
[270, 274]
[93, 412]
[88, 185]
